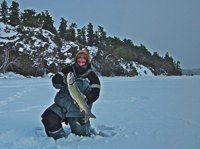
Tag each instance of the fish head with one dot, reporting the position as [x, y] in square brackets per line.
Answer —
[70, 78]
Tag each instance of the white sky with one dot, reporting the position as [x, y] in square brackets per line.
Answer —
[164, 26]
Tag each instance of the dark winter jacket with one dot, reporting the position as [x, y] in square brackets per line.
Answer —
[88, 83]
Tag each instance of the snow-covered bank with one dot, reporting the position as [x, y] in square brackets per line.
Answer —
[138, 112]
[11, 75]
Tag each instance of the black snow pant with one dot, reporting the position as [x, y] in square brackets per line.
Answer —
[53, 127]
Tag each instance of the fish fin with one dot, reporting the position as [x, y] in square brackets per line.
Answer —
[81, 109]
[74, 101]
[78, 123]
[89, 115]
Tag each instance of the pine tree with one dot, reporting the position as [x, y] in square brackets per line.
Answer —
[96, 39]
[90, 35]
[78, 38]
[102, 39]
[169, 65]
[40, 18]
[63, 28]
[127, 47]
[102, 35]
[14, 14]
[156, 63]
[71, 34]
[4, 12]
[48, 24]
[178, 70]
[116, 42]
[28, 18]
[83, 35]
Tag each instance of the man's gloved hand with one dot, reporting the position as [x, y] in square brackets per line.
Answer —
[86, 100]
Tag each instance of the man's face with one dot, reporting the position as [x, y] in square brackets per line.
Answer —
[81, 61]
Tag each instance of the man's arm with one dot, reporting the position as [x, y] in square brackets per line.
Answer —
[95, 85]
[57, 80]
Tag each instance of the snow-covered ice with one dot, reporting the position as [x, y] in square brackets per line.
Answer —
[139, 112]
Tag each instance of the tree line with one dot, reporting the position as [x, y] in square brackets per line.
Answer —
[114, 56]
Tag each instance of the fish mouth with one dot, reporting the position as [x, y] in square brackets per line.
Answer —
[70, 74]
[70, 78]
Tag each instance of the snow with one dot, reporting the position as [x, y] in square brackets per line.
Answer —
[139, 112]
[10, 75]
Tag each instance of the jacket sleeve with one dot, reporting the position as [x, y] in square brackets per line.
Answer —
[57, 80]
[95, 85]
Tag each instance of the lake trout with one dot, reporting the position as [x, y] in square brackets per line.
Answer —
[78, 97]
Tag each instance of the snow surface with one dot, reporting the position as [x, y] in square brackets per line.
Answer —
[132, 113]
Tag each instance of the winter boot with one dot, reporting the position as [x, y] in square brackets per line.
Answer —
[57, 134]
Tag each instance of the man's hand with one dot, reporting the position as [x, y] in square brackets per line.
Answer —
[86, 100]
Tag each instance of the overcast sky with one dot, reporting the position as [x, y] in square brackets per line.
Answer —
[161, 25]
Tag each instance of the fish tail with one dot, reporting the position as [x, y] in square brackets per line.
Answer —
[89, 115]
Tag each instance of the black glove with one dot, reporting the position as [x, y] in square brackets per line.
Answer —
[86, 100]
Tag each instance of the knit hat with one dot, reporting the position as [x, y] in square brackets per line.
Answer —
[83, 54]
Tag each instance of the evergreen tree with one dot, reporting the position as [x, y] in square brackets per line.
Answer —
[167, 58]
[178, 70]
[4, 12]
[83, 35]
[90, 35]
[71, 34]
[116, 42]
[40, 18]
[28, 17]
[57, 40]
[127, 48]
[48, 24]
[102, 39]
[169, 64]
[102, 35]
[96, 39]
[14, 14]
[63, 28]
[156, 63]
[78, 38]
[26, 64]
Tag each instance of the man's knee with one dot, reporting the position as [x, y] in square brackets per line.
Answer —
[51, 121]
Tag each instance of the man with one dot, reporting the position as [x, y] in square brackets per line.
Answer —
[64, 109]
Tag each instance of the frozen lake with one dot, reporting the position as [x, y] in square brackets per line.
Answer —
[138, 112]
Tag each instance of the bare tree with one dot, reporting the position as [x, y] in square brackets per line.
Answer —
[7, 59]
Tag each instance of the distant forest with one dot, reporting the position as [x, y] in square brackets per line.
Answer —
[191, 72]
[114, 56]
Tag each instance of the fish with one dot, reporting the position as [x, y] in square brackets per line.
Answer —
[78, 97]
